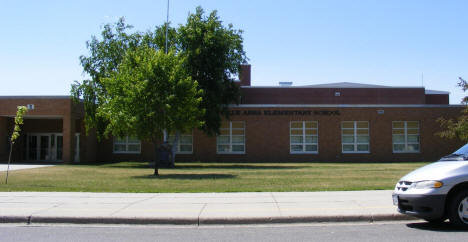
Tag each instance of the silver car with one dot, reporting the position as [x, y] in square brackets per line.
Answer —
[437, 191]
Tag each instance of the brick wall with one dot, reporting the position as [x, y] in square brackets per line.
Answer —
[50, 114]
[267, 137]
[304, 95]
[437, 99]
[105, 152]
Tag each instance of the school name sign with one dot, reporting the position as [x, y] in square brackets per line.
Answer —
[284, 112]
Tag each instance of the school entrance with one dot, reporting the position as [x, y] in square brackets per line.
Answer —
[47, 147]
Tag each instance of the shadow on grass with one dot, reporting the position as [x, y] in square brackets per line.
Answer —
[203, 166]
[115, 164]
[214, 165]
[243, 166]
[145, 165]
[188, 176]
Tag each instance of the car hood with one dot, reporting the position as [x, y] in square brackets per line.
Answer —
[437, 171]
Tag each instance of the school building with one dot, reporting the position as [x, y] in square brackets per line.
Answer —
[285, 123]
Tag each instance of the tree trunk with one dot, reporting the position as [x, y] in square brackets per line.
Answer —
[9, 161]
[156, 160]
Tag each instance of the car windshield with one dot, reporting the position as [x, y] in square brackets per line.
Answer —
[462, 151]
[460, 154]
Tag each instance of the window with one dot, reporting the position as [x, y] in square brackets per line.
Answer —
[231, 139]
[303, 137]
[184, 146]
[127, 145]
[405, 136]
[355, 137]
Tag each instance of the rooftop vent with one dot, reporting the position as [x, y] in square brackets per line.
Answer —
[285, 84]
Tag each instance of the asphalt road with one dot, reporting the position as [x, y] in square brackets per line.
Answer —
[390, 231]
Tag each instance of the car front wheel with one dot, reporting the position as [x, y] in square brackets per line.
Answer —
[458, 210]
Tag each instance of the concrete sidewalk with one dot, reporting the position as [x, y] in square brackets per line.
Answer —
[197, 208]
[13, 167]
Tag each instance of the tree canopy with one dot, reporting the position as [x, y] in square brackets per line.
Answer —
[104, 59]
[214, 54]
[457, 128]
[150, 92]
[202, 51]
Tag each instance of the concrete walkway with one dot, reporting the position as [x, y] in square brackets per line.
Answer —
[197, 208]
[3, 167]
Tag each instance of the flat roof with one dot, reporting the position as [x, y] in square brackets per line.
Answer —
[37, 97]
[346, 105]
[436, 92]
[353, 85]
[336, 85]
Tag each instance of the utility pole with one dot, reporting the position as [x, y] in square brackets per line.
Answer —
[165, 135]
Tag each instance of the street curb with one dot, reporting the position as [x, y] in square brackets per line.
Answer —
[307, 219]
[14, 219]
[204, 221]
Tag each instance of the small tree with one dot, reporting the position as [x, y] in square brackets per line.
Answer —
[457, 128]
[16, 133]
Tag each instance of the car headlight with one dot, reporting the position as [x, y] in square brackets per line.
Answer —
[426, 184]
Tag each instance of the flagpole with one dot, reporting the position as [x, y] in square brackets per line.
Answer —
[167, 23]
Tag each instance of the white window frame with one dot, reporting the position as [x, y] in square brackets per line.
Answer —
[406, 143]
[230, 139]
[126, 143]
[179, 143]
[304, 143]
[355, 136]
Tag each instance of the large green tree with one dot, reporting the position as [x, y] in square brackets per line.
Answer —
[150, 93]
[105, 55]
[214, 54]
[209, 52]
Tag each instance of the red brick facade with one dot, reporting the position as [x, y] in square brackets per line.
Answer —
[268, 136]
[54, 114]
[309, 95]
[266, 112]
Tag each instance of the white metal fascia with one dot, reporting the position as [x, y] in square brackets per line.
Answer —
[346, 106]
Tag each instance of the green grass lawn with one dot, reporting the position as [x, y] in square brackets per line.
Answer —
[209, 177]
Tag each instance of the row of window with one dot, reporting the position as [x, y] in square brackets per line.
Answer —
[132, 145]
[303, 138]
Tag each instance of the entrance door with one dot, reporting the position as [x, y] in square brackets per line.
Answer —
[44, 147]
[59, 147]
[32, 147]
[44, 150]
[77, 147]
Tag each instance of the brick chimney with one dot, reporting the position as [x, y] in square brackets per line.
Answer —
[244, 75]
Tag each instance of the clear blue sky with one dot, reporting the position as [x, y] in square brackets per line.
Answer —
[306, 42]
